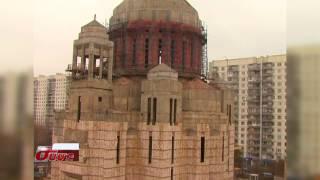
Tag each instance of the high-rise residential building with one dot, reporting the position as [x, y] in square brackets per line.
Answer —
[138, 104]
[50, 95]
[260, 104]
[303, 112]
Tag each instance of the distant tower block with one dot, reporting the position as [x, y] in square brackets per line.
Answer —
[92, 53]
[147, 33]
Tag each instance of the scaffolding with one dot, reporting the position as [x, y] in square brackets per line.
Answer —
[204, 64]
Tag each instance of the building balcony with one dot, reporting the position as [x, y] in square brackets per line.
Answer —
[253, 98]
[267, 65]
[267, 79]
[233, 68]
[254, 92]
[254, 86]
[252, 138]
[268, 92]
[254, 67]
[267, 124]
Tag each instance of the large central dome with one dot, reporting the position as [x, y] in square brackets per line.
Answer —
[150, 32]
[179, 11]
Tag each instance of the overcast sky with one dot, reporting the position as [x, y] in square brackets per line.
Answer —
[236, 28]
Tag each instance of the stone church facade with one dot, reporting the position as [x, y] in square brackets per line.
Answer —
[138, 105]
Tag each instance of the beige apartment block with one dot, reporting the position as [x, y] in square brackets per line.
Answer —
[50, 95]
[138, 115]
[260, 104]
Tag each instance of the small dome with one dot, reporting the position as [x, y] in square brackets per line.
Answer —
[162, 71]
[93, 29]
[179, 11]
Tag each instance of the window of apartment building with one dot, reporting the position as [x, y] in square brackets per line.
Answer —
[243, 79]
[279, 77]
[279, 64]
[243, 91]
[279, 143]
[242, 122]
[243, 73]
[279, 97]
[100, 99]
[222, 68]
[279, 90]
[242, 142]
[279, 110]
[279, 117]
[279, 83]
[279, 123]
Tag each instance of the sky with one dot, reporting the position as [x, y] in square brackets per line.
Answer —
[235, 28]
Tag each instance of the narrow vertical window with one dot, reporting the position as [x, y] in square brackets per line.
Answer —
[146, 59]
[202, 149]
[79, 109]
[222, 156]
[149, 111]
[118, 149]
[229, 113]
[172, 150]
[183, 54]
[175, 112]
[171, 104]
[160, 51]
[134, 50]
[154, 111]
[171, 173]
[172, 52]
[150, 149]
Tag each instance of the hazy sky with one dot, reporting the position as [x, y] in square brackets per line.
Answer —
[236, 28]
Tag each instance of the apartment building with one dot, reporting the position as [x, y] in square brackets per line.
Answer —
[260, 107]
[50, 95]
